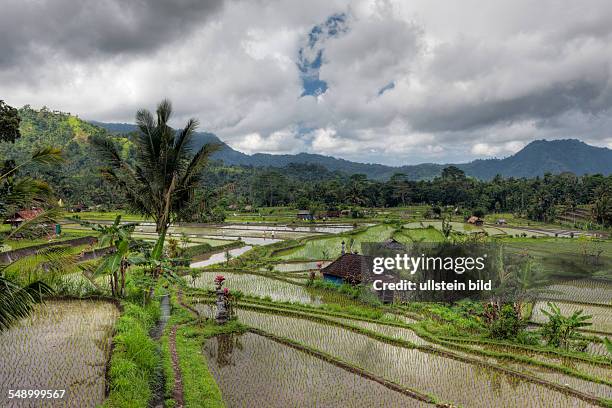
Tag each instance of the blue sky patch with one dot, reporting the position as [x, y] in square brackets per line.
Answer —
[310, 56]
[387, 87]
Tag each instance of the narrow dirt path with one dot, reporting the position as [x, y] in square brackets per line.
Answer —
[157, 401]
[177, 392]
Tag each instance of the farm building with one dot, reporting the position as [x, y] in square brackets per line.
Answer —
[304, 215]
[348, 268]
[353, 269]
[22, 216]
[475, 220]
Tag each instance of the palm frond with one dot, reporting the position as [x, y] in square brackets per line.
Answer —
[197, 164]
[17, 302]
[46, 217]
[47, 155]
[25, 191]
[107, 150]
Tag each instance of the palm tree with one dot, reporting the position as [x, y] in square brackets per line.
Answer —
[16, 300]
[160, 184]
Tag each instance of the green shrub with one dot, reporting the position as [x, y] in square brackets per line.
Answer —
[507, 325]
[196, 250]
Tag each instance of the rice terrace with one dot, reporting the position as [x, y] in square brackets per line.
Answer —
[330, 204]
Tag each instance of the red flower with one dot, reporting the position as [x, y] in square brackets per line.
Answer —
[219, 278]
[226, 291]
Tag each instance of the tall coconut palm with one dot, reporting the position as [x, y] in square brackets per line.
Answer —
[161, 182]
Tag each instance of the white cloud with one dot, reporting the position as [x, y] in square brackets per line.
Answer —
[281, 142]
[488, 149]
[480, 79]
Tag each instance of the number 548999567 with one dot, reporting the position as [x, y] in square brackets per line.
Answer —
[27, 394]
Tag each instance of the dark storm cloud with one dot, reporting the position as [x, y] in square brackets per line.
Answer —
[83, 29]
[586, 97]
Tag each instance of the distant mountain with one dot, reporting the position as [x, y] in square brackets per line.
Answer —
[542, 156]
[535, 159]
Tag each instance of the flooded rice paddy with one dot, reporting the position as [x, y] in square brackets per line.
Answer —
[220, 257]
[328, 228]
[331, 247]
[582, 290]
[255, 371]
[63, 345]
[277, 290]
[448, 379]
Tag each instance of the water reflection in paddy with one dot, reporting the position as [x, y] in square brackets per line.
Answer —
[255, 371]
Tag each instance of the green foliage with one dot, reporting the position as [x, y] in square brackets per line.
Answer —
[507, 325]
[479, 212]
[608, 345]
[562, 331]
[78, 181]
[199, 386]
[199, 249]
[135, 359]
[9, 123]
[114, 264]
[351, 291]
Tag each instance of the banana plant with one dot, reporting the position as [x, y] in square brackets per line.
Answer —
[119, 237]
[562, 331]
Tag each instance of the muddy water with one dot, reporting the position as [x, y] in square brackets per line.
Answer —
[253, 371]
[448, 379]
[64, 345]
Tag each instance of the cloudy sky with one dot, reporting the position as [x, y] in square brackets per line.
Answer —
[393, 82]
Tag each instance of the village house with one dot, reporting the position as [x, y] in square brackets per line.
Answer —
[354, 269]
[22, 216]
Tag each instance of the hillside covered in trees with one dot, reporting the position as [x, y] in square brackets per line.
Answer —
[315, 186]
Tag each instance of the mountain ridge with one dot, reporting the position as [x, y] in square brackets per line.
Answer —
[535, 159]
